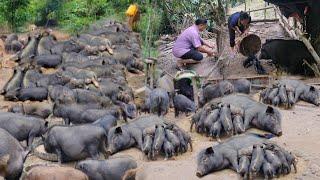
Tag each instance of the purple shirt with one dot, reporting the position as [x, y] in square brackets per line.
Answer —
[188, 39]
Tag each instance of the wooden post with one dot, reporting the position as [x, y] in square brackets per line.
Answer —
[219, 41]
[151, 77]
[195, 91]
[245, 5]
[153, 73]
[295, 23]
[227, 7]
[265, 11]
[150, 72]
[147, 74]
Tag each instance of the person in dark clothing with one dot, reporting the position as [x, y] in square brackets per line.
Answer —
[297, 9]
[238, 22]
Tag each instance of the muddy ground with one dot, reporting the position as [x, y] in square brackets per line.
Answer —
[300, 135]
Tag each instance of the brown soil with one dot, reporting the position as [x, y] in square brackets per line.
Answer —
[300, 135]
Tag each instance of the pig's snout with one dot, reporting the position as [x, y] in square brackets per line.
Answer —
[199, 174]
[109, 152]
[279, 133]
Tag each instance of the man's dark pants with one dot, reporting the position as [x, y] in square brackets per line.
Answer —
[193, 54]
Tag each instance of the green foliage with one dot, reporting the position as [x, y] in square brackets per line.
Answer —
[234, 3]
[182, 13]
[157, 16]
[149, 26]
[45, 12]
[76, 15]
[14, 12]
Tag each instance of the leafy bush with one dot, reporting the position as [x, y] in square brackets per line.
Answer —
[149, 26]
[45, 12]
[14, 12]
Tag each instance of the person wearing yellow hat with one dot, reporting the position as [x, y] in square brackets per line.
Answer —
[133, 15]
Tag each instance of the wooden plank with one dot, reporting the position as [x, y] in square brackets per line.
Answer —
[257, 82]
[245, 77]
[260, 9]
[264, 20]
[259, 86]
[140, 90]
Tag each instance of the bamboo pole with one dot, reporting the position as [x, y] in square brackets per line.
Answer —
[309, 46]
[297, 34]
[284, 23]
[314, 68]
[254, 10]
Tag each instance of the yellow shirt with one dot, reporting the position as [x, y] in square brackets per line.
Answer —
[132, 10]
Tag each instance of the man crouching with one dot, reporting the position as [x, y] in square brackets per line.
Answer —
[189, 46]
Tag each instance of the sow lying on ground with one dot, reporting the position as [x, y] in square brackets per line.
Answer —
[234, 114]
[151, 134]
[288, 92]
[115, 168]
[249, 155]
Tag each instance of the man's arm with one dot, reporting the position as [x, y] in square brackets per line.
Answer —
[203, 49]
[236, 29]
[198, 43]
[206, 44]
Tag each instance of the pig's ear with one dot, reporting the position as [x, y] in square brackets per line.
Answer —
[270, 110]
[43, 138]
[209, 150]
[118, 130]
[312, 88]
[4, 159]
[46, 124]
